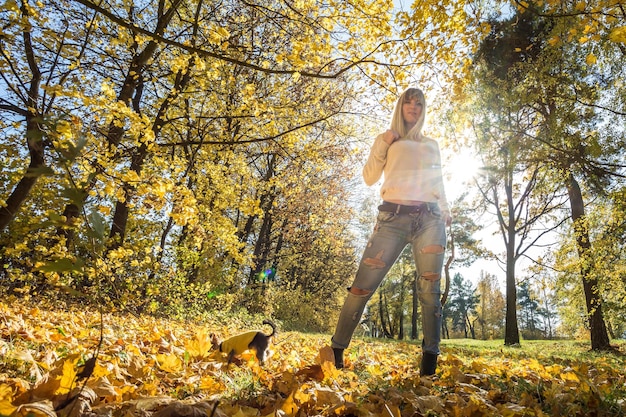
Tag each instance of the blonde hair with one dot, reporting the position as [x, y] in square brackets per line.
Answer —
[397, 121]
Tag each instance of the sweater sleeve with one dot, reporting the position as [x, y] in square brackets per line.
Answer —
[373, 169]
[443, 200]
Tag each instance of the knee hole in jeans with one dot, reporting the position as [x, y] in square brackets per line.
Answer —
[434, 249]
[431, 276]
[377, 262]
[358, 291]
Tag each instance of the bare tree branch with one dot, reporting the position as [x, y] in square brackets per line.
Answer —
[366, 59]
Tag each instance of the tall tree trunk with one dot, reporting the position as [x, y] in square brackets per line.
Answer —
[548, 316]
[471, 326]
[414, 312]
[466, 324]
[599, 336]
[34, 171]
[381, 312]
[120, 215]
[401, 311]
[511, 329]
[263, 244]
[609, 328]
[34, 137]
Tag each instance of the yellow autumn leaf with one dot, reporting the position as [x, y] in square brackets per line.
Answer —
[130, 176]
[618, 34]
[591, 59]
[208, 383]
[160, 189]
[64, 129]
[10, 5]
[108, 90]
[302, 395]
[218, 34]
[375, 370]
[6, 406]
[569, 376]
[104, 209]
[169, 363]
[289, 407]
[68, 375]
[200, 346]
[329, 370]
[325, 355]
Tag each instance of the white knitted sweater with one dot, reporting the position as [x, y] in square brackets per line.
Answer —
[412, 171]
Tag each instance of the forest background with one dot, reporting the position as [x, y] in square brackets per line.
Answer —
[194, 159]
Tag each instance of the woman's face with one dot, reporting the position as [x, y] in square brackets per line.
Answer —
[411, 112]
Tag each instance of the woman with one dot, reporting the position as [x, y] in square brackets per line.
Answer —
[414, 211]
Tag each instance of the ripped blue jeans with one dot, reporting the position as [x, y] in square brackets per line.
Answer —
[426, 232]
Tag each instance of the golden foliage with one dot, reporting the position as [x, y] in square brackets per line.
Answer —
[152, 367]
[618, 34]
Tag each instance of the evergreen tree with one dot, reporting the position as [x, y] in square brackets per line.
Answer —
[460, 309]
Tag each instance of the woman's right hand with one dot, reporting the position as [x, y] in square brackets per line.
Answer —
[390, 136]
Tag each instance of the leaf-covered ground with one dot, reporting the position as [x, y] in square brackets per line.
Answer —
[150, 367]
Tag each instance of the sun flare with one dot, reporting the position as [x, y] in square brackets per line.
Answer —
[460, 171]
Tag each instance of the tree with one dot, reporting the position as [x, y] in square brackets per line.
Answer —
[461, 306]
[609, 226]
[605, 224]
[491, 308]
[529, 311]
[208, 144]
[528, 199]
[543, 280]
[37, 79]
[569, 120]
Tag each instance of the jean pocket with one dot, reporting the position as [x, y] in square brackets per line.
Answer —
[434, 210]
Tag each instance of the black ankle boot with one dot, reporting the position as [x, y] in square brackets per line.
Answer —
[429, 364]
[338, 357]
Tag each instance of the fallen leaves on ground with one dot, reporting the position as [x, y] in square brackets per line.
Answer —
[150, 367]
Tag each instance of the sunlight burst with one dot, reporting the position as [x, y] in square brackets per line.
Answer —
[460, 171]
